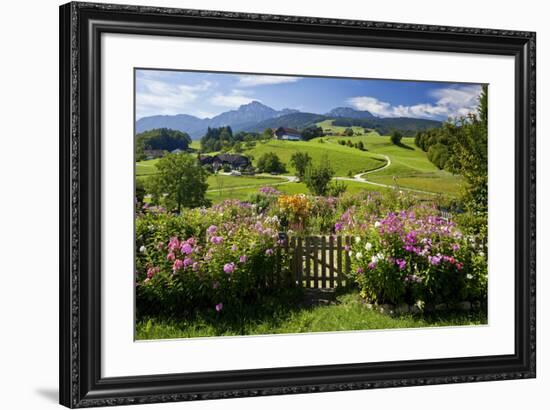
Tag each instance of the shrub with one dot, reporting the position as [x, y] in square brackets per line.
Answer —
[216, 259]
[270, 162]
[406, 258]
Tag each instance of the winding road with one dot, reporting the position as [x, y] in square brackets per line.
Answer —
[360, 178]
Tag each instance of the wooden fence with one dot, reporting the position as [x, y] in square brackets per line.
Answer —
[319, 261]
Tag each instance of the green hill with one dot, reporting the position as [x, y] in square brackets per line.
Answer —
[343, 159]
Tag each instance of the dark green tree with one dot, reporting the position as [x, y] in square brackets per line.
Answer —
[317, 178]
[180, 181]
[300, 161]
[270, 162]
[396, 137]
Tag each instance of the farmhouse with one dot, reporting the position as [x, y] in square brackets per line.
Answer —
[233, 160]
[153, 153]
[290, 134]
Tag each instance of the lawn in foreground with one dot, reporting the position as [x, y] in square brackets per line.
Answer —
[283, 314]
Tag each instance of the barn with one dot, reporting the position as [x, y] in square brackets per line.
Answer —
[290, 134]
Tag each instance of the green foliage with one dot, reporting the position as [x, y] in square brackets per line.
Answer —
[300, 161]
[317, 178]
[180, 181]
[312, 132]
[348, 132]
[336, 188]
[270, 162]
[438, 154]
[396, 137]
[161, 139]
[216, 139]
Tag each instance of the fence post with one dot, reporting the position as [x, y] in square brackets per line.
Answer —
[308, 261]
[323, 261]
[315, 262]
[331, 260]
[299, 262]
[339, 258]
[348, 259]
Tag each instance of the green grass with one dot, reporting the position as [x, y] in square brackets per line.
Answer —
[408, 163]
[284, 314]
[343, 159]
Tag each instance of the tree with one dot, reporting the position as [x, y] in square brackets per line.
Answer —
[361, 146]
[300, 161]
[163, 139]
[348, 132]
[395, 137]
[180, 182]
[270, 162]
[217, 139]
[317, 178]
[312, 132]
[468, 153]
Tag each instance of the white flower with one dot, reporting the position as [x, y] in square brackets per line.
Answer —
[380, 256]
[469, 276]
[357, 239]
[377, 224]
[142, 249]
[350, 253]
[374, 259]
[482, 253]
[358, 255]
[368, 246]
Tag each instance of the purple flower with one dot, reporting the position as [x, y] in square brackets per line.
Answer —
[186, 248]
[347, 248]
[219, 307]
[435, 260]
[243, 259]
[212, 229]
[371, 265]
[216, 240]
[402, 263]
[187, 262]
[229, 267]
[360, 270]
[456, 247]
[269, 252]
[338, 227]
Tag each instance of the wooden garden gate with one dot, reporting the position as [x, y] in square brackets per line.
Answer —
[319, 261]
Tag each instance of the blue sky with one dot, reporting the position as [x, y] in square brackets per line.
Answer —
[205, 94]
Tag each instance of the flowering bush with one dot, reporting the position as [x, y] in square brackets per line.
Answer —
[214, 258]
[406, 258]
[296, 209]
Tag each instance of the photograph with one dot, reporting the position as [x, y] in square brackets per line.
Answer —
[284, 204]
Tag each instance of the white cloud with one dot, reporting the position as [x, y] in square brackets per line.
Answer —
[256, 80]
[234, 99]
[451, 102]
[163, 98]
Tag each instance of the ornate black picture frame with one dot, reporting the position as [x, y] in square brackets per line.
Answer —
[81, 25]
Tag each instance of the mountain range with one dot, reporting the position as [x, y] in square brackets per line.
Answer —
[256, 116]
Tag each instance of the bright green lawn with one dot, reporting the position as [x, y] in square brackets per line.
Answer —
[343, 159]
[283, 315]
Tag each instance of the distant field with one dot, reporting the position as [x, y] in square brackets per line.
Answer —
[410, 168]
[409, 164]
[343, 159]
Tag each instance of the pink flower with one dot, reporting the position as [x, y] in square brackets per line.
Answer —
[177, 265]
[219, 307]
[338, 227]
[243, 259]
[212, 229]
[229, 267]
[195, 266]
[187, 262]
[371, 265]
[151, 272]
[174, 243]
[170, 256]
[216, 240]
[459, 265]
[360, 270]
[186, 248]
[216, 285]
[269, 252]
[234, 248]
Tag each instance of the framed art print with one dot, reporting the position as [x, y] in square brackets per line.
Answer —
[259, 204]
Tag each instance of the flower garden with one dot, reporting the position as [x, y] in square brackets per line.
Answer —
[221, 261]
